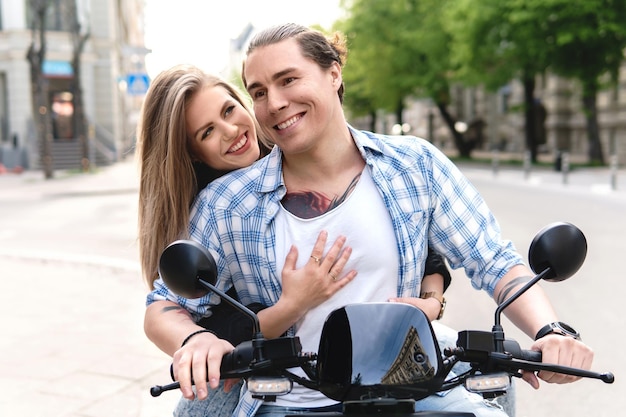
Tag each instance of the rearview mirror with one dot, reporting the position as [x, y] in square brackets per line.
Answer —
[561, 248]
[183, 263]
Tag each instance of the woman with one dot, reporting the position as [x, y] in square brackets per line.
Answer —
[194, 128]
[180, 152]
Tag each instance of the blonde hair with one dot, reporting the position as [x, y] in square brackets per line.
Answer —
[169, 178]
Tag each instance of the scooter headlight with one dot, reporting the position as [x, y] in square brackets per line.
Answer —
[488, 382]
[269, 386]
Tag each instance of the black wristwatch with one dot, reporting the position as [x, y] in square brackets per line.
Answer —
[557, 327]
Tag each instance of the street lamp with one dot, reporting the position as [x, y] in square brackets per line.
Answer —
[400, 129]
[460, 127]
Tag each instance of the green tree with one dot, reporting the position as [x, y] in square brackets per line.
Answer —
[496, 41]
[79, 36]
[375, 73]
[437, 68]
[398, 49]
[359, 97]
[588, 39]
[36, 56]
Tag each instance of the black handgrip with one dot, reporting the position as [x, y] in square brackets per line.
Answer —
[232, 362]
[238, 359]
[512, 347]
[530, 355]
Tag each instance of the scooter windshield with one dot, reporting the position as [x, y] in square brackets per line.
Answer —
[373, 350]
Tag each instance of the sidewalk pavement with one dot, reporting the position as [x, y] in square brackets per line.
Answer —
[72, 340]
[117, 178]
[595, 181]
[77, 347]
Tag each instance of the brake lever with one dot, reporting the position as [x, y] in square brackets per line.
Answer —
[157, 390]
[517, 364]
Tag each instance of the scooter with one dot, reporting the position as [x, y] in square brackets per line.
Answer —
[379, 358]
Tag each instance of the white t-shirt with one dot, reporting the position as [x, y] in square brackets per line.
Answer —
[366, 223]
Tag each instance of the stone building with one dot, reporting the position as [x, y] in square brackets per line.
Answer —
[113, 81]
[501, 118]
[564, 124]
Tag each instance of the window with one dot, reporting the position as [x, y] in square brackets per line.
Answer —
[58, 14]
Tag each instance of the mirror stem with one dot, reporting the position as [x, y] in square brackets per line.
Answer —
[236, 305]
[498, 332]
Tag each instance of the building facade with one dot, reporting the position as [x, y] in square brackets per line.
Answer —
[561, 119]
[112, 78]
[500, 116]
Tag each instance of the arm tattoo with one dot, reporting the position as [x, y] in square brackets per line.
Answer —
[309, 204]
[170, 308]
[510, 286]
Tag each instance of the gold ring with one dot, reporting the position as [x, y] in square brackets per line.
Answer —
[316, 259]
[333, 276]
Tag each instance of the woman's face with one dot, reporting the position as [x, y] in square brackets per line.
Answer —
[221, 131]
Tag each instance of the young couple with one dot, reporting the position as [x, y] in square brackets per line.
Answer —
[356, 201]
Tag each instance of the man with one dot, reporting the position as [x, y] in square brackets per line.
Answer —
[390, 197]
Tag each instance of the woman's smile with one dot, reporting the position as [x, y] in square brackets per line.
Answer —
[240, 144]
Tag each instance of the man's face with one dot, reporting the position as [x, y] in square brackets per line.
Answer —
[294, 98]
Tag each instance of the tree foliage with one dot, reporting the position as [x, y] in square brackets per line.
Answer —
[400, 48]
[495, 42]
[588, 39]
[375, 71]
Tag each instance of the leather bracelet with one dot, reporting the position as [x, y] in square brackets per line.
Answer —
[195, 333]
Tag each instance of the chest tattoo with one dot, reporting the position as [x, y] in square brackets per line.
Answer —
[310, 204]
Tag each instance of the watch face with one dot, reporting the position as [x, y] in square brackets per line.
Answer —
[567, 329]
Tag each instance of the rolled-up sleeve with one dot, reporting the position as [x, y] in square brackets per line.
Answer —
[197, 307]
[465, 230]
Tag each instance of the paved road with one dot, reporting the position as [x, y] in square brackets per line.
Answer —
[72, 342]
[591, 300]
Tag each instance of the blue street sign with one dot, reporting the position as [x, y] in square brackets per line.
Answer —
[137, 84]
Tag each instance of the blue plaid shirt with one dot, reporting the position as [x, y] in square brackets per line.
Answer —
[429, 200]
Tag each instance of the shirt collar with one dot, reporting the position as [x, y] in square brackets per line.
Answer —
[270, 171]
[270, 167]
